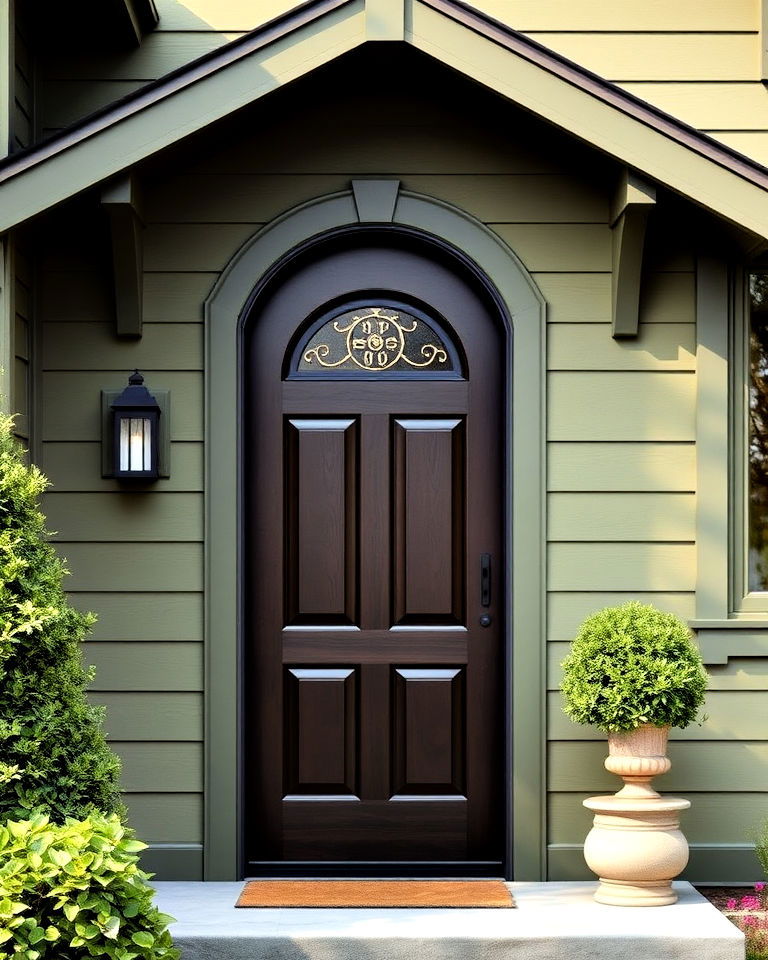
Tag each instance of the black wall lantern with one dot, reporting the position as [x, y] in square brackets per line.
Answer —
[136, 430]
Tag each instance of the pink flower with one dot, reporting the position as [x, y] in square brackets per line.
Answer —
[731, 905]
[750, 903]
[750, 921]
[759, 887]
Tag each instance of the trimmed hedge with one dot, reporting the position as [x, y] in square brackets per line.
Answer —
[53, 755]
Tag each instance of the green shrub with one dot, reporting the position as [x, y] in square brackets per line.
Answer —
[631, 665]
[53, 756]
[761, 845]
[73, 890]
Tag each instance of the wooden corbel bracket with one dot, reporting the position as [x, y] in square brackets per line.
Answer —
[633, 201]
[120, 200]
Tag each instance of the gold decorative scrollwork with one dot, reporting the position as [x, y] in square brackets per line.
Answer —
[376, 340]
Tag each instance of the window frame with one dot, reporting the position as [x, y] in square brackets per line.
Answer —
[743, 601]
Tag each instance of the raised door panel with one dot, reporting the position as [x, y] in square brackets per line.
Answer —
[429, 731]
[428, 520]
[320, 731]
[321, 521]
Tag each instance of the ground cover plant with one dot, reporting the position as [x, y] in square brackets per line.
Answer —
[750, 914]
[630, 665]
[70, 886]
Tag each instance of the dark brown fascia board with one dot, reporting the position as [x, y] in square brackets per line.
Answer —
[456, 10]
[167, 85]
[601, 89]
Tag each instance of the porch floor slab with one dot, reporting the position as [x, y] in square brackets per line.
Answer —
[552, 921]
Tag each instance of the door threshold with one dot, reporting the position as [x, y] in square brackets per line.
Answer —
[374, 869]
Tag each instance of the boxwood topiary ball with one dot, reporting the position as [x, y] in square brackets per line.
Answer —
[631, 665]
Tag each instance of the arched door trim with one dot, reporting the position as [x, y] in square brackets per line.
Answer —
[524, 313]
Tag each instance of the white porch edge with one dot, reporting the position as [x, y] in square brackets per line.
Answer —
[551, 921]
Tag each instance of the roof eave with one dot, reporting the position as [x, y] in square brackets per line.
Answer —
[568, 96]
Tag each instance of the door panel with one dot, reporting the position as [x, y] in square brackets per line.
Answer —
[429, 731]
[428, 500]
[321, 503]
[321, 735]
[374, 697]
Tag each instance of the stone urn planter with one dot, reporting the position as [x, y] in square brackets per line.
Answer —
[636, 846]
[635, 672]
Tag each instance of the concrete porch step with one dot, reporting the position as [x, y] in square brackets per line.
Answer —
[552, 921]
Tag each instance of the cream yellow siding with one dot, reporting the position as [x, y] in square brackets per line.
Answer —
[701, 62]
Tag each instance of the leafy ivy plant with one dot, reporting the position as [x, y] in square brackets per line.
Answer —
[75, 890]
[631, 665]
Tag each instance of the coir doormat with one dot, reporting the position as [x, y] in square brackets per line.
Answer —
[375, 893]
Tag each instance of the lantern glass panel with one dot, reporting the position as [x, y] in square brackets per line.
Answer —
[135, 444]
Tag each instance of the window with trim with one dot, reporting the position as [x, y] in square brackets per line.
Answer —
[750, 580]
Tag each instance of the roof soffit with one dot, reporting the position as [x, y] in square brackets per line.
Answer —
[574, 100]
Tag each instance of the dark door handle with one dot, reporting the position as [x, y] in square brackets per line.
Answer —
[485, 579]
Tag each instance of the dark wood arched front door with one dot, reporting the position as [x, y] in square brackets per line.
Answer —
[374, 566]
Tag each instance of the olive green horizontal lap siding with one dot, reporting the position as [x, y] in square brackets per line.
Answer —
[630, 15]
[669, 248]
[621, 566]
[709, 106]
[731, 715]
[590, 346]
[239, 198]
[708, 863]
[699, 766]
[215, 15]
[160, 767]
[173, 861]
[621, 466]
[739, 673]
[566, 610]
[21, 336]
[71, 402]
[576, 297]
[76, 467]
[22, 126]
[713, 817]
[231, 199]
[544, 199]
[586, 297]
[202, 247]
[659, 56]
[401, 138]
[125, 516]
[63, 102]
[176, 297]
[559, 247]
[20, 391]
[159, 53]
[143, 617]
[152, 716]
[621, 406]
[94, 346]
[133, 566]
[621, 516]
[76, 296]
[166, 816]
[126, 666]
